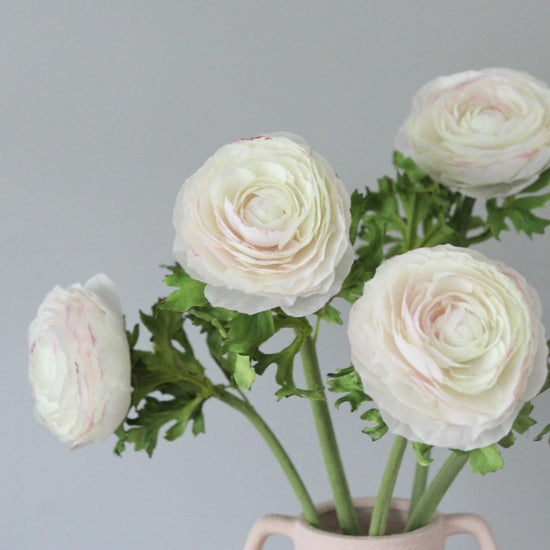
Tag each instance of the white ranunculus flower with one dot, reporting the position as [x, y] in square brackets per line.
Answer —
[484, 133]
[265, 223]
[79, 365]
[449, 344]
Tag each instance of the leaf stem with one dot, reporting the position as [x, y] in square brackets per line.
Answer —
[308, 508]
[428, 503]
[342, 497]
[383, 501]
[419, 485]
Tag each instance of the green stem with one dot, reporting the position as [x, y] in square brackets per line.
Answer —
[485, 235]
[383, 501]
[465, 215]
[308, 508]
[419, 485]
[342, 497]
[427, 505]
[412, 224]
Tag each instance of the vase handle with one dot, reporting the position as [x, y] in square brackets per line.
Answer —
[472, 524]
[267, 526]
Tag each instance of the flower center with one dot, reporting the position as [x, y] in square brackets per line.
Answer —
[486, 120]
[262, 211]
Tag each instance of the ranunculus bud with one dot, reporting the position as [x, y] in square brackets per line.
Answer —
[450, 345]
[265, 223]
[79, 366]
[484, 133]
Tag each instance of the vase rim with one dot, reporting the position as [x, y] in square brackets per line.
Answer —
[398, 504]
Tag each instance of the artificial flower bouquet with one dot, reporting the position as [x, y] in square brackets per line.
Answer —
[447, 346]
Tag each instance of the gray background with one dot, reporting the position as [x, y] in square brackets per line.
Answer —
[105, 108]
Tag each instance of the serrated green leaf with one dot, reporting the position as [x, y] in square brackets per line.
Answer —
[248, 332]
[182, 418]
[133, 336]
[120, 446]
[347, 381]
[190, 292]
[423, 453]
[527, 222]
[155, 414]
[542, 181]
[293, 391]
[414, 173]
[199, 426]
[507, 441]
[379, 429]
[284, 359]
[330, 314]
[524, 421]
[486, 460]
[544, 432]
[244, 374]
[359, 205]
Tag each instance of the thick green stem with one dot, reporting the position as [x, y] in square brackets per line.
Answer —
[419, 485]
[465, 214]
[342, 497]
[383, 501]
[308, 508]
[427, 505]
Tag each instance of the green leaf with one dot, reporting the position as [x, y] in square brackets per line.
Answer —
[190, 292]
[244, 374]
[544, 432]
[379, 429]
[133, 336]
[293, 391]
[284, 359]
[120, 446]
[248, 332]
[348, 382]
[183, 417]
[508, 440]
[359, 205]
[414, 173]
[486, 460]
[154, 415]
[199, 423]
[524, 421]
[330, 314]
[423, 453]
[541, 183]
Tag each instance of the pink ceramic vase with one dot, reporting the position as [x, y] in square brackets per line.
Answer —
[431, 537]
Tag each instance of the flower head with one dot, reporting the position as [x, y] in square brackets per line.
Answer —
[79, 362]
[265, 223]
[484, 133]
[450, 345]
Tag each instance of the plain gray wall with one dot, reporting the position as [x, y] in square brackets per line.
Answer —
[105, 108]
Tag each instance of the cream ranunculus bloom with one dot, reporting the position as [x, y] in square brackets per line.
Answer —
[449, 344]
[79, 364]
[484, 133]
[265, 223]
